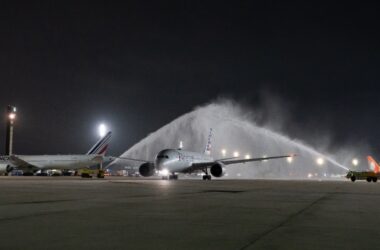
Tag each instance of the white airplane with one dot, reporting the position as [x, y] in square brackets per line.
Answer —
[169, 162]
[32, 163]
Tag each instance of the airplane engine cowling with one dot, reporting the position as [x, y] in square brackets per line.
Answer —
[146, 169]
[5, 168]
[217, 170]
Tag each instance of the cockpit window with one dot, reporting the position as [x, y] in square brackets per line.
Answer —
[162, 156]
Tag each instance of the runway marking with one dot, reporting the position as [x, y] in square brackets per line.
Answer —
[289, 218]
[223, 191]
[31, 215]
[37, 202]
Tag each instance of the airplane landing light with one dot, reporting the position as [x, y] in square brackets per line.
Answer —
[289, 159]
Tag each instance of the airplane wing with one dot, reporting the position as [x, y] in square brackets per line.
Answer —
[228, 161]
[20, 163]
[229, 158]
[112, 158]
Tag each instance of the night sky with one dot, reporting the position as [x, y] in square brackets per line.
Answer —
[137, 65]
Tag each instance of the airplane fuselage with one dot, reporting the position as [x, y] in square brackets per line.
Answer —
[61, 161]
[176, 160]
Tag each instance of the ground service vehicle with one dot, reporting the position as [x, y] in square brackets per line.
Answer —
[363, 175]
[372, 175]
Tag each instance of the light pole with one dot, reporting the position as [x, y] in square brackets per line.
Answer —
[11, 116]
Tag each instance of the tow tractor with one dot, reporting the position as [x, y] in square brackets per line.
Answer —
[363, 175]
[89, 172]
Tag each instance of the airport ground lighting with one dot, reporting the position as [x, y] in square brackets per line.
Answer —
[247, 156]
[236, 154]
[11, 116]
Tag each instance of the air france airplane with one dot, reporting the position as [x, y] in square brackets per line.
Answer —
[169, 162]
[32, 163]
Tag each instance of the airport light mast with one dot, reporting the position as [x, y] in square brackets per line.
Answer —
[102, 130]
[11, 116]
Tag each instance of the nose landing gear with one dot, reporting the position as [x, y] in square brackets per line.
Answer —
[100, 174]
[170, 177]
[173, 177]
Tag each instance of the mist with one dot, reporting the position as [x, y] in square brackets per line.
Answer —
[236, 129]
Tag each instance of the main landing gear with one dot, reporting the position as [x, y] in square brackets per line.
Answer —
[206, 177]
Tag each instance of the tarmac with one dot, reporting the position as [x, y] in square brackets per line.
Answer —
[136, 213]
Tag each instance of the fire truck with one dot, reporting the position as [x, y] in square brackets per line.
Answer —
[363, 175]
[371, 175]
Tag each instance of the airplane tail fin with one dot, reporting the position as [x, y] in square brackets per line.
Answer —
[373, 164]
[101, 146]
[208, 145]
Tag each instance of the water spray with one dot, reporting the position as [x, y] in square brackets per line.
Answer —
[232, 128]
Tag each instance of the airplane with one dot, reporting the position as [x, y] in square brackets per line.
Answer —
[32, 163]
[168, 162]
[373, 164]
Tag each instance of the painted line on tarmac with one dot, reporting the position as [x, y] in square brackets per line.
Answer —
[289, 218]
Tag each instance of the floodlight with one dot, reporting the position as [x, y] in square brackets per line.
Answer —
[102, 129]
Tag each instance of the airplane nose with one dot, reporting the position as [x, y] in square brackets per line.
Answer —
[160, 164]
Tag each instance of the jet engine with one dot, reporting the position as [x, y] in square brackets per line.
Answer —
[217, 170]
[146, 169]
[5, 168]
